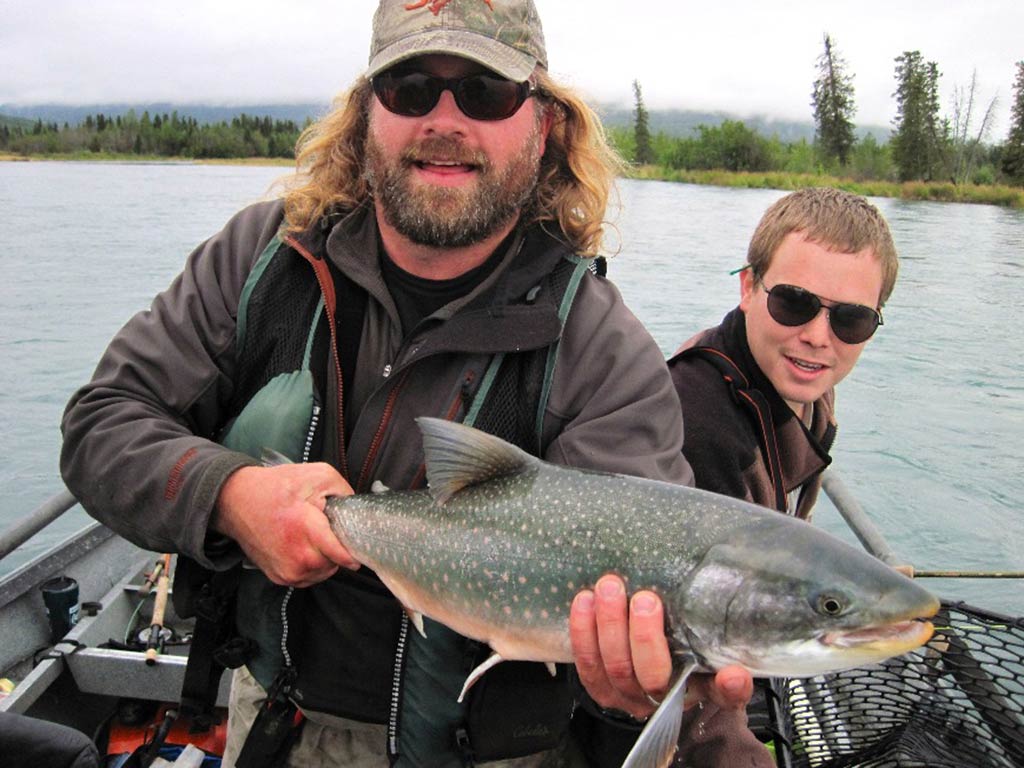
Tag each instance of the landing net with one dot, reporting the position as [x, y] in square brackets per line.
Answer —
[957, 701]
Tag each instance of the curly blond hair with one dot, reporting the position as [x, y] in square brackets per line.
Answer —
[577, 171]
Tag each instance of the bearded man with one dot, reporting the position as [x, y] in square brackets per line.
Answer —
[428, 258]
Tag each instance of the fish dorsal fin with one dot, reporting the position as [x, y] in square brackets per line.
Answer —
[458, 456]
[658, 741]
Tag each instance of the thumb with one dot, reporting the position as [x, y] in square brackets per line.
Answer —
[330, 546]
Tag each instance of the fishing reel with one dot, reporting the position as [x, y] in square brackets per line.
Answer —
[165, 636]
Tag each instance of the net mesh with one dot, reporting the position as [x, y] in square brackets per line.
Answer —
[956, 701]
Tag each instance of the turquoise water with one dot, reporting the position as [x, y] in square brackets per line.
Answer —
[930, 421]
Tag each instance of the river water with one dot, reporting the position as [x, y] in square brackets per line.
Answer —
[930, 421]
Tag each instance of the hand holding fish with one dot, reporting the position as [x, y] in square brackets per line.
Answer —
[623, 659]
[276, 516]
[621, 652]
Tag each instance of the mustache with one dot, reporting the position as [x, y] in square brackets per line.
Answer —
[444, 149]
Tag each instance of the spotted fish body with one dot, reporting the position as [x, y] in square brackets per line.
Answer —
[502, 542]
[501, 560]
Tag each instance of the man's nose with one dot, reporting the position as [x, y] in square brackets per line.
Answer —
[817, 331]
[446, 117]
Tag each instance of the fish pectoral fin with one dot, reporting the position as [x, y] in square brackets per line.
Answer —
[457, 456]
[659, 739]
[493, 660]
[551, 668]
[417, 621]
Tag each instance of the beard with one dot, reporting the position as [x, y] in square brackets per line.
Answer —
[445, 217]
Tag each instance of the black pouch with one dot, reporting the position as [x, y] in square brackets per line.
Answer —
[274, 730]
[603, 744]
[518, 709]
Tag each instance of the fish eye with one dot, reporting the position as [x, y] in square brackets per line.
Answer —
[830, 605]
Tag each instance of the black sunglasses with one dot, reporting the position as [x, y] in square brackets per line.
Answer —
[791, 305]
[480, 96]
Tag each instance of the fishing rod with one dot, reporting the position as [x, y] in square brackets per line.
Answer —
[159, 607]
[873, 541]
[969, 574]
[152, 578]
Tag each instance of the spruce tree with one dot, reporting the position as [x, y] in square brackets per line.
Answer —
[834, 107]
[644, 153]
[920, 135]
[1013, 150]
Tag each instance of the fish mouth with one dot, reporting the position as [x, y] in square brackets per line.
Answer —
[890, 638]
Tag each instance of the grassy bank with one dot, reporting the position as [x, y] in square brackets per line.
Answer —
[911, 190]
[1012, 197]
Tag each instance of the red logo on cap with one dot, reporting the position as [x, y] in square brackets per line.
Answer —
[436, 5]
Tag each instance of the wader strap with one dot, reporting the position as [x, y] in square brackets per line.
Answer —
[563, 312]
[214, 646]
[757, 408]
[250, 285]
[485, 386]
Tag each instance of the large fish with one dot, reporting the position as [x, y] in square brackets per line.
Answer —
[502, 542]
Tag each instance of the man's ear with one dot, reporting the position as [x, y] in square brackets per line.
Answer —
[747, 287]
[547, 119]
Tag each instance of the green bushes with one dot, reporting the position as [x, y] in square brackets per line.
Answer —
[732, 155]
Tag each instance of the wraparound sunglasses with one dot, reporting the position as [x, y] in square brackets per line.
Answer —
[791, 305]
[480, 96]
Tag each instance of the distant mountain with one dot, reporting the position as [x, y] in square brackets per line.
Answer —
[674, 122]
[15, 122]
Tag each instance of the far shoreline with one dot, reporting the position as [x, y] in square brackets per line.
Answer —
[8, 157]
[933, 191]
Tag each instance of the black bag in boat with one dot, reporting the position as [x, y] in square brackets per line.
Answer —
[26, 742]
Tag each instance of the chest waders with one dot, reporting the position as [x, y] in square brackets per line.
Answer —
[280, 409]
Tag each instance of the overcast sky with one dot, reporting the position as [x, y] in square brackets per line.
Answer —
[746, 57]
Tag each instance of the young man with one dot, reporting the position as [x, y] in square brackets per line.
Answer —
[758, 391]
[432, 231]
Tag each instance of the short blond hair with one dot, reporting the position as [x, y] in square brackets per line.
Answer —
[577, 171]
[831, 217]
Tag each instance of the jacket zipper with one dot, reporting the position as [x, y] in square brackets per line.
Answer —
[382, 428]
[314, 422]
[323, 274]
[460, 402]
[396, 687]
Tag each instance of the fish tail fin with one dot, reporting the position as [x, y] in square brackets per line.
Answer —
[458, 456]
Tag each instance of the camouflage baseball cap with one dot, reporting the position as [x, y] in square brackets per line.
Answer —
[502, 35]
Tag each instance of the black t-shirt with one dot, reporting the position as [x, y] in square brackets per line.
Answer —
[417, 297]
